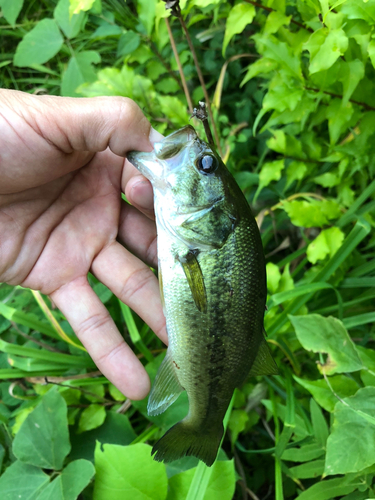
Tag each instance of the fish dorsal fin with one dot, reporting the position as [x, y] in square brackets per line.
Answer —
[166, 388]
[195, 279]
[264, 364]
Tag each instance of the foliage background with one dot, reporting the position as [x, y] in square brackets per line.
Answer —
[293, 97]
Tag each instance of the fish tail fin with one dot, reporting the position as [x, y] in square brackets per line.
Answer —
[184, 438]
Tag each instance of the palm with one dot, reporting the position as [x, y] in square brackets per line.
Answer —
[80, 218]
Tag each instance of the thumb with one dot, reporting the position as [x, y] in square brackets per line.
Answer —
[46, 137]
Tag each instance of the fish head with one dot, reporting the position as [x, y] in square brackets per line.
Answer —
[183, 168]
[192, 187]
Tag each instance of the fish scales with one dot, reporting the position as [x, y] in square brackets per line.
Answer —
[213, 283]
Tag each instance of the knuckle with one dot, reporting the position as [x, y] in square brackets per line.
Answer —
[136, 283]
[93, 323]
[106, 356]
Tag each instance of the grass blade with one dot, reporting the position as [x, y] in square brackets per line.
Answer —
[28, 320]
[51, 318]
[134, 332]
[54, 357]
[357, 234]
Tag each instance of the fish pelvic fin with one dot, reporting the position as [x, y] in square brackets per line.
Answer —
[185, 439]
[166, 388]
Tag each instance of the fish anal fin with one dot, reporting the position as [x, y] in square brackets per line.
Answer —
[264, 364]
[186, 439]
[195, 279]
[166, 388]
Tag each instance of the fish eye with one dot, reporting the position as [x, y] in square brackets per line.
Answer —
[207, 164]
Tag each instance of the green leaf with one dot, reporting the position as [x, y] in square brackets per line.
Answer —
[272, 48]
[296, 171]
[115, 393]
[221, 483]
[305, 453]
[77, 5]
[354, 71]
[70, 25]
[325, 244]
[327, 335]
[95, 392]
[351, 444]
[91, 417]
[80, 70]
[271, 171]
[11, 9]
[371, 52]
[43, 439]
[69, 484]
[147, 11]
[239, 17]
[308, 470]
[360, 9]
[312, 213]
[341, 385]
[328, 180]
[173, 108]
[319, 424]
[22, 481]
[39, 45]
[275, 20]
[325, 48]
[128, 472]
[325, 490]
[339, 117]
[128, 43]
[237, 423]
[273, 277]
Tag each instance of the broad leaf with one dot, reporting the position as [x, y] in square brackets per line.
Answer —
[341, 385]
[80, 70]
[239, 17]
[69, 484]
[70, 25]
[11, 9]
[327, 335]
[351, 445]
[128, 472]
[39, 45]
[43, 439]
[22, 481]
[93, 416]
[221, 484]
[326, 244]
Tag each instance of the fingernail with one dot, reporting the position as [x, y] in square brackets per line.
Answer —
[155, 136]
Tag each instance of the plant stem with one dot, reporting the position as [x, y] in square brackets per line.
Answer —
[165, 64]
[177, 57]
[201, 79]
[363, 104]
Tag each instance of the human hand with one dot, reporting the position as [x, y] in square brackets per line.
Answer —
[62, 171]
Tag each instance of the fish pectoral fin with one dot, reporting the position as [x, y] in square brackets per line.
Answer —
[166, 388]
[194, 276]
[264, 364]
[210, 226]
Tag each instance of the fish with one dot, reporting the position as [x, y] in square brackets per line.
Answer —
[212, 279]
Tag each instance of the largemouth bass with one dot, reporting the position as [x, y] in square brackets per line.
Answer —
[213, 284]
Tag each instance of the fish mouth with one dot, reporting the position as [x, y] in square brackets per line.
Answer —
[154, 165]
